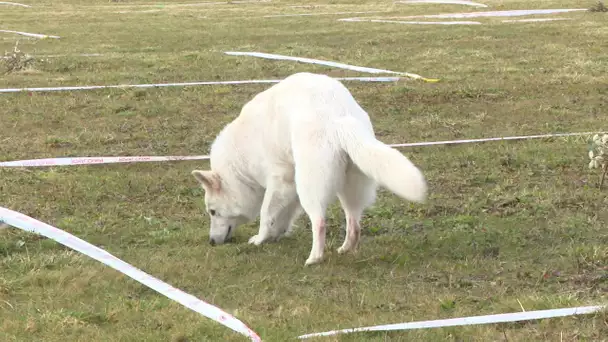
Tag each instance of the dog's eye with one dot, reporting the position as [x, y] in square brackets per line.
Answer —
[212, 212]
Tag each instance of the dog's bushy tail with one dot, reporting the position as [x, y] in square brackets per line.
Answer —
[387, 166]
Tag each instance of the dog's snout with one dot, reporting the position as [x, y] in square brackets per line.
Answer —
[212, 242]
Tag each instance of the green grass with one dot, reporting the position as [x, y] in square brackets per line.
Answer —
[506, 223]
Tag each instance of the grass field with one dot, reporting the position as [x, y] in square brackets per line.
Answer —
[507, 225]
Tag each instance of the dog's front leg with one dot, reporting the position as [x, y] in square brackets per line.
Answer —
[280, 200]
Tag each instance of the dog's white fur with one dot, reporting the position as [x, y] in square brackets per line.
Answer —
[298, 145]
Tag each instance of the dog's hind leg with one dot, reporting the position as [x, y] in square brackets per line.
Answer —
[319, 173]
[357, 193]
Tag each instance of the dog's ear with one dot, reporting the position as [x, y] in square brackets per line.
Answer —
[209, 180]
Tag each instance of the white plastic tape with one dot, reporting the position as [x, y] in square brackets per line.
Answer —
[13, 4]
[136, 159]
[467, 141]
[323, 13]
[413, 22]
[311, 61]
[192, 4]
[313, 6]
[327, 63]
[140, 11]
[57, 56]
[474, 320]
[448, 2]
[160, 85]
[232, 2]
[509, 13]
[29, 224]
[533, 20]
[35, 35]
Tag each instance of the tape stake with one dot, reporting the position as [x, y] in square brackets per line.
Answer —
[26, 223]
[185, 84]
[35, 35]
[138, 159]
[327, 63]
[474, 320]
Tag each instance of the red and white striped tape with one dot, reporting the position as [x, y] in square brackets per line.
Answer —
[95, 160]
[26, 223]
[137, 159]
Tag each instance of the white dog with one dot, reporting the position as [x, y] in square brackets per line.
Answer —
[298, 145]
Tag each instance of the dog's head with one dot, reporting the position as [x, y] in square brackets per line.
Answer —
[223, 204]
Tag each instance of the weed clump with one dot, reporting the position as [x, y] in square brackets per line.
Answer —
[599, 7]
[598, 153]
[16, 60]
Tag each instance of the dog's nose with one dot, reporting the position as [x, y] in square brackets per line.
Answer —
[212, 242]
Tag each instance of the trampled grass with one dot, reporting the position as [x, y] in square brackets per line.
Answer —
[507, 224]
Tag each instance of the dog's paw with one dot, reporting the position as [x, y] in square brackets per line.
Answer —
[257, 240]
[290, 231]
[343, 250]
[313, 260]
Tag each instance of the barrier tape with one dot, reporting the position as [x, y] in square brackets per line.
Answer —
[95, 160]
[328, 63]
[449, 2]
[170, 5]
[160, 85]
[507, 13]
[521, 137]
[35, 35]
[315, 14]
[29, 224]
[412, 22]
[135, 159]
[13, 4]
[55, 56]
[473, 320]
[533, 20]
[233, 2]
